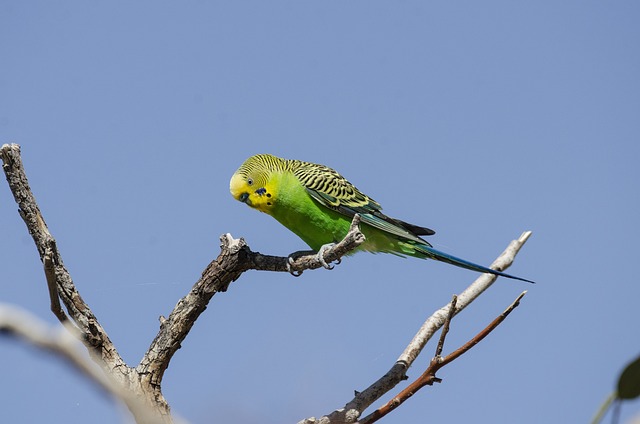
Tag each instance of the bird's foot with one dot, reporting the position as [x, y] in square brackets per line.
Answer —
[292, 258]
[292, 271]
[320, 256]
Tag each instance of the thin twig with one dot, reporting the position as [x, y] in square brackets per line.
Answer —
[604, 408]
[52, 285]
[397, 373]
[447, 323]
[471, 293]
[428, 377]
[484, 333]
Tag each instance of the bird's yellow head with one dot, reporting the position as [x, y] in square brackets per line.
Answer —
[250, 184]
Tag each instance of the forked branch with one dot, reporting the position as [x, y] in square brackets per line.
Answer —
[362, 400]
[428, 377]
[144, 381]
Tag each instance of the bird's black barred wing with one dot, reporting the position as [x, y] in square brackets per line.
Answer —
[332, 190]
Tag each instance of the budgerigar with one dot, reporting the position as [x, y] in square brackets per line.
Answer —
[318, 204]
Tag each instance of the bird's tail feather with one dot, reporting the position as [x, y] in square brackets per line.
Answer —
[432, 253]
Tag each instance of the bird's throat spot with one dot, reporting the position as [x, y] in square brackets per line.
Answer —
[262, 191]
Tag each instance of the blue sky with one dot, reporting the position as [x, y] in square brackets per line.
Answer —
[479, 120]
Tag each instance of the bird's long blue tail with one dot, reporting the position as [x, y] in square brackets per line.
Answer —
[432, 253]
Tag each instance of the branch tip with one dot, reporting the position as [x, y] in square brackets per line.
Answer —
[525, 236]
[428, 377]
[233, 245]
[397, 373]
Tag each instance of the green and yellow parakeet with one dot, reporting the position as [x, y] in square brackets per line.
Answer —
[318, 204]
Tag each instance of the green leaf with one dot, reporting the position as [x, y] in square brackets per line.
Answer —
[629, 381]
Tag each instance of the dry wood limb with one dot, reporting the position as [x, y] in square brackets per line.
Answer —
[428, 377]
[17, 322]
[465, 298]
[63, 343]
[145, 380]
[362, 400]
[235, 258]
[58, 277]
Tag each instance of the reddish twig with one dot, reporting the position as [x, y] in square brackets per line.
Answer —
[428, 377]
[397, 373]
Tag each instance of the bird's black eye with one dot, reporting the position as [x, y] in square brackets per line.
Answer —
[250, 181]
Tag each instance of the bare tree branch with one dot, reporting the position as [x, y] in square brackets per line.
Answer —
[235, 258]
[17, 322]
[362, 400]
[63, 343]
[438, 362]
[145, 380]
[465, 298]
[94, 335]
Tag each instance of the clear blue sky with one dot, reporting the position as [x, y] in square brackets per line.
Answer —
[478, 119]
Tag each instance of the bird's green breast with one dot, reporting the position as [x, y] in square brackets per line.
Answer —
[296, 210]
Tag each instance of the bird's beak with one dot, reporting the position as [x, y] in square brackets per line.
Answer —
[244, 197]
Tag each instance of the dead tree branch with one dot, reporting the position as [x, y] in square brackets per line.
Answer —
[56, 273]
[144, 381]
[63, 342]
[428, 377]
[235, 258]
[362, 400]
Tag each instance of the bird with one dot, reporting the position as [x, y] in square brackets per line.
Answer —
[318, 204]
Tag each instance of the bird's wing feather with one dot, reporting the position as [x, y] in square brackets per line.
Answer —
[333, 191]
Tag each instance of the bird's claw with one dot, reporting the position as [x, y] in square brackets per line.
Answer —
[292, 271]
[320, 256]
